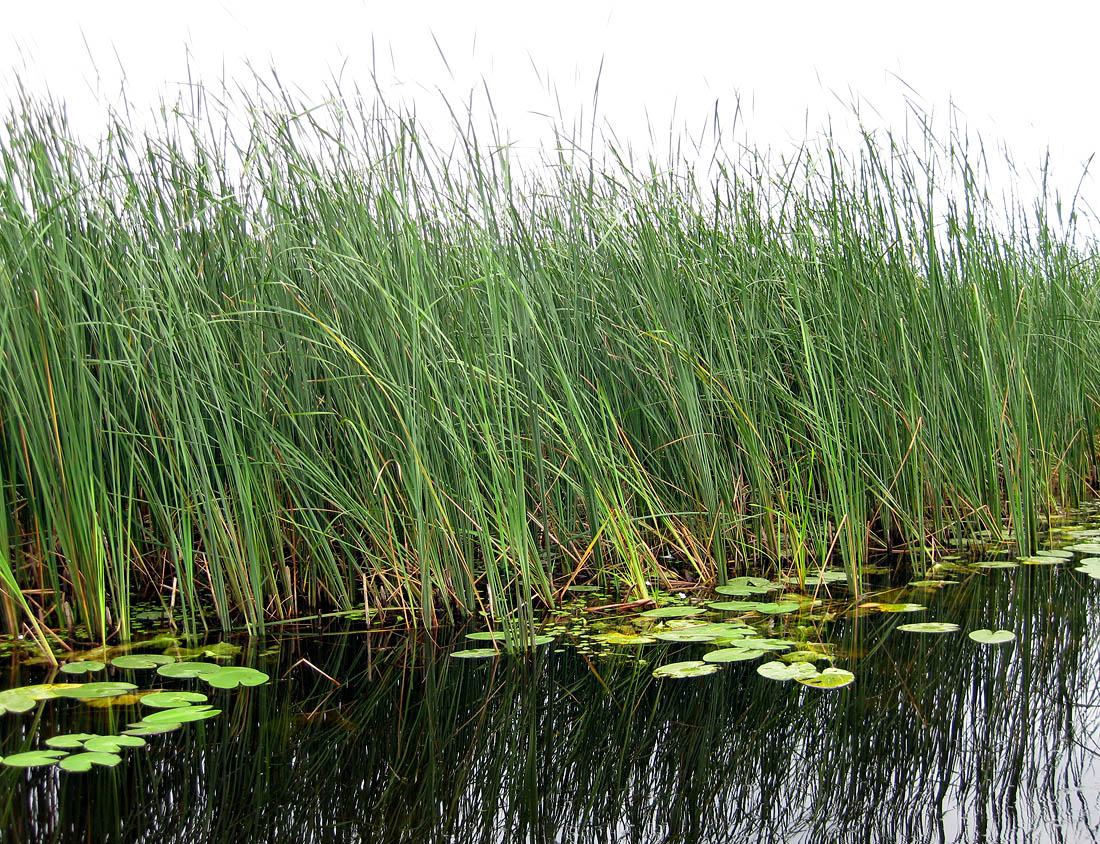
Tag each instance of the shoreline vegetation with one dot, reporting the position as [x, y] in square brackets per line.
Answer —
[319, 364]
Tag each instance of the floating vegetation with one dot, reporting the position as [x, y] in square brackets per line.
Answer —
[996, 564]
[930, 584]
[872, 605]
[84, 666]
[829, 678]
[784, 672]
[991, 637]
[475, 653]
[139, 661]
[617, 638]
[673, 612]
[689, 668]
[165, 700]
[733, 655]
[77, 752]
[929, 627]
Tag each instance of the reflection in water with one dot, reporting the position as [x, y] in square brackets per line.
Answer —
[939, 739]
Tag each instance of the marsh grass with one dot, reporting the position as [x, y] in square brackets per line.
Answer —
[318, 362]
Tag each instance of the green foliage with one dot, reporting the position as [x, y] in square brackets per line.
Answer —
[319, 362]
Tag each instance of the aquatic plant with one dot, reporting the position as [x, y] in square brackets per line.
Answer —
[456, 384]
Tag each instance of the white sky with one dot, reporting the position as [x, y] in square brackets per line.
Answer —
[1020, 75]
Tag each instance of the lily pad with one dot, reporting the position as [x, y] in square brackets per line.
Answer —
[80, 762]
[779, 671]
[734, 606]
[34, 758]
[616, 638]
[803, 656]
[732, 655]
[766, 644]
[690, 668]
[991, 637]
[219, 650]
[23, 698]
[1060, 553]
[84, 666]
[830, 678]
[819, 578]
[475, 653]
[89, 691]
[140, 729]
[996, 564]
[930, 584]
[685, 636]
[872, 605]
[742, 586]
[1085, 548]
[142, 661]
[167, 700]
[1038, 560]
[672, 612]
[232, 676]
[188, 669]
[777, 608]
[68, 741]
[112, 744]
[178, 715]
[929, 627]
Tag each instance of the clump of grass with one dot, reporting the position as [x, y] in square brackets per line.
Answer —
[323, 363]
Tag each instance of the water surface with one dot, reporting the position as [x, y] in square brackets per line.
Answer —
[938, 740]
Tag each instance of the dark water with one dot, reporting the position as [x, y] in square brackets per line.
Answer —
[939, 739]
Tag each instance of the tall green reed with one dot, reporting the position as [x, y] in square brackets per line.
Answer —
[312, 359]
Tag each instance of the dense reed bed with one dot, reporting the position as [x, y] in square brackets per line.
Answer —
[312, 361]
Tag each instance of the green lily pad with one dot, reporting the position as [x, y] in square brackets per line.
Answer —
[758, 644]
[734, 606]
[140, 729]
[167, 700]
[929, 627]
[930, 584]
[91, 691]
[685, 636]
[777, 608]
[615, 638]
[803, 656]
[873, 605]
[232, 676]
[732, 655]
[68, 741]
[778, 671]
[996, 564]
[178, 715]
[1085, 548]
[142, 661]
[23, 698]
[830, 678]
[80, 762]
[34, 758]
[1060, 553]
[690, 668]
[1038, 560]
[475, 653]
[742, 586]
[84, 666]
[11, 700]
[188, 669]
[991, 637]
[1092, 571]
[819, 578]
[112, 744]
[219, 650]
[672, 612]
